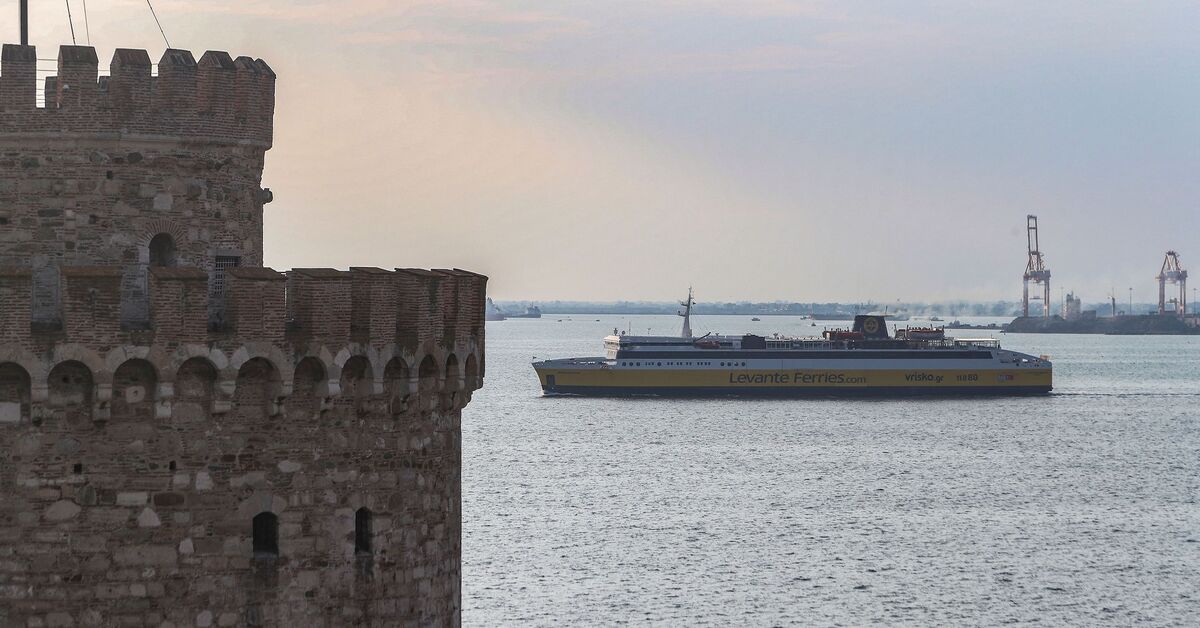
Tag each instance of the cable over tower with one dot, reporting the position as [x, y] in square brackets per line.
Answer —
[1171, 272]
[1035, 268]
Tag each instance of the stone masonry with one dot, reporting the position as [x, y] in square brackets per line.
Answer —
[188, 438]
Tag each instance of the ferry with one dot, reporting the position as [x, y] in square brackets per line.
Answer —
[864, 360]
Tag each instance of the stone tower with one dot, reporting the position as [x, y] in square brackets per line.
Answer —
[186, 437]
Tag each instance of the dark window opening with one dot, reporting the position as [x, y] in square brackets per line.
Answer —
[221, 264]
[162, 250]
[362, 531]
[266, 535]
[172, 465]
[78, 468]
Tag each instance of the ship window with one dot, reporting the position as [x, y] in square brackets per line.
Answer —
[660, 363]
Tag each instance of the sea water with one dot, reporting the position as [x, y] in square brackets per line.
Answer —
[1081, 507]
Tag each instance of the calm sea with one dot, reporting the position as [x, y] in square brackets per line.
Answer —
[1080, 508]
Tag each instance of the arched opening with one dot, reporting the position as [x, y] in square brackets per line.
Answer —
[471, 373]
[14, 393]
[134, 385]
[395, 381]
[194, 384]
[452, 373]
[308, 387]
[162, 250]
[357, 378]
[71, 391]
[362, 532]
[427, 375]
[257, 389]
[266, 535]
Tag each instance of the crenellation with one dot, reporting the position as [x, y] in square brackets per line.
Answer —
[375, 306]
[92, 304]
[417, 289]
[129, 86]
[76, 87]
[163, 396]
[219, 100]
[319, 304]
[18, 77]
[255, 304]
[16, 288]
[216, 76]
[175, 88]
[178, 305]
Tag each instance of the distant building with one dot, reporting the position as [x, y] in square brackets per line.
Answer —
[1071, 307]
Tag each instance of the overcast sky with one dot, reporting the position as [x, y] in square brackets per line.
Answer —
[756, 149]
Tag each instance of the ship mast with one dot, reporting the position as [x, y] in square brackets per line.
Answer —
[687, 315]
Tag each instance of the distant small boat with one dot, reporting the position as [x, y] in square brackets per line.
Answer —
[756, 319]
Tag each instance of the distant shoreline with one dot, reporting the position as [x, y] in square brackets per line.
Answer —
[948, 310]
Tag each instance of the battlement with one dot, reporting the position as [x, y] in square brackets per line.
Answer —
[408, 308]
[217, 99]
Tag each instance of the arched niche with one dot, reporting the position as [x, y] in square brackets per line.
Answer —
[71, 391]
[15, 389]
[309, 384]
[195, 385]
[471, 372]
[396, 377]
[257, 390]
[135, 384]
[427, 375]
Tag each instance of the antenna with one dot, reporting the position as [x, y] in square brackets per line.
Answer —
[24, 22]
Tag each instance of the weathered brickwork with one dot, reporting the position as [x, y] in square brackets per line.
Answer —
[188, 438]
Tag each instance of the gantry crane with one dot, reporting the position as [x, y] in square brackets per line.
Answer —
[1172, 272]
[1035, 268]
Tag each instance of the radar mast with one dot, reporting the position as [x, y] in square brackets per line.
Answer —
[687, 315]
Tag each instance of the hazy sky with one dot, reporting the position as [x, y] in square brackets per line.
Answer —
[756, 149]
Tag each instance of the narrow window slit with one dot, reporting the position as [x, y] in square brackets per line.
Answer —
[266, 535]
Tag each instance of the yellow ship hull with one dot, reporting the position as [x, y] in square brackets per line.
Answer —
[614, 381]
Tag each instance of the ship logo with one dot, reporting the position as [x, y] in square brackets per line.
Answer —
[871, 326]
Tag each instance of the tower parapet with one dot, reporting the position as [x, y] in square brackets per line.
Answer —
[216, 100]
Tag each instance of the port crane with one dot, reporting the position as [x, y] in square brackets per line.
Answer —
[1173, 273]
[1035, 268]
